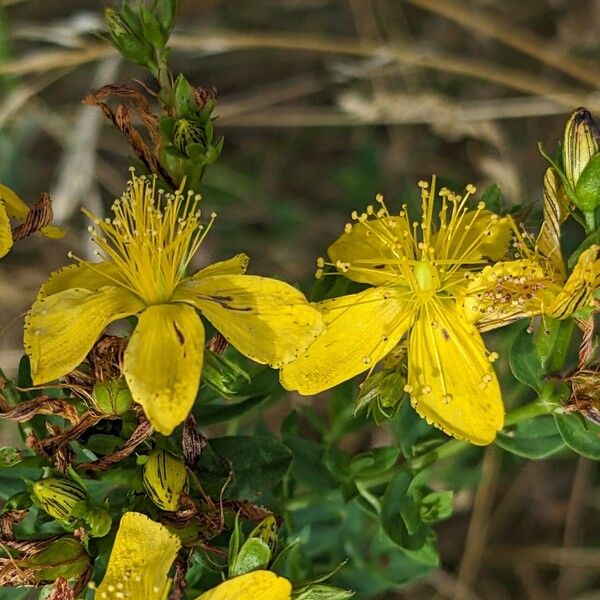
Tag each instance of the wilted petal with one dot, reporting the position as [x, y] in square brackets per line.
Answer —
[60, 330]
[578, 291]
[140, 561]
[507, 291]
[265, 319]
[451, 380]
[360, 330]
[163, 362]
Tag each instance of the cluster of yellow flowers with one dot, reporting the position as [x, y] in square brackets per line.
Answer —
[437, 282]
[434, 285]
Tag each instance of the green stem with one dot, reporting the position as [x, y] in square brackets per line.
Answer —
[590, 221]
[543, 405]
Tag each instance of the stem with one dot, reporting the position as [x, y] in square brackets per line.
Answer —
[541, 406]
[590, 221]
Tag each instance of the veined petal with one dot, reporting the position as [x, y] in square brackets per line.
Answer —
[61, 329]
[452, 382]
[474, 235]
[579, 289]
[507, 291]
[6, 240]
[139, 563]
[364, 244]
[14, 206]
[163, 362]
[83, 275]
[256, 585]
[360, 330]
[236, 265]
[265, 319]
[555, 212]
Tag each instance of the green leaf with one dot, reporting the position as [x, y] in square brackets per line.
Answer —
[254, 554]
[321, 592]
[257, 464]
[399, 514]
[436, 506]
[587, 189]
[218, 413]
[536, 438]
[152, 29]
[524, 361]
[492, 198]
[579, 434]
[374, 462]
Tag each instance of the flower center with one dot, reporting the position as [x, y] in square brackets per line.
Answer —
[151, 238]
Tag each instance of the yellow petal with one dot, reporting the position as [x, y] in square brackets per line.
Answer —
[474, 236]
[265, 319]
[256, 585]
[60, 330]
[53, 232]
[15, 207]
[364, 245]
[163, 362]
[579, 289]
[507, 291]
[141, 558]
[84, 275]
[360, 330]
[6, 240]
[452, 382]
[236, 265]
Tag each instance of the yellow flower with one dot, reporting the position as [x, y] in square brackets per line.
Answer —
[146, 249]
[536, 283]
[140, 561]
[419, 272]
[256, 585]
[12, 207]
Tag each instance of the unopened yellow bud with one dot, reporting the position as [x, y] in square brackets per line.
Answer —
[164, 479]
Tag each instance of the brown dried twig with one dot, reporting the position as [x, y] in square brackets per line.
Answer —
[143, 431]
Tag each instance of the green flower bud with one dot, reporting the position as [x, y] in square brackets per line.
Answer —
[62, 499]
[164, 479]
[266, 531]
[187, 132]
[381, 394]
[99, 522]
[112, 397]
[127, 41]
[64, 557]
[581, 141]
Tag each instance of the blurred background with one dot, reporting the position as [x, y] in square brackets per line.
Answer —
[323, 104]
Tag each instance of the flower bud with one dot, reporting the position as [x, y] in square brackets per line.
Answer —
[62, 499]
[187, 132]
[112, 397]
[581, 142]
[581, 160]
[381, 393]
[99, 522]
[321, 591]
[64, 557]
[164, 479]
[126, 40]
